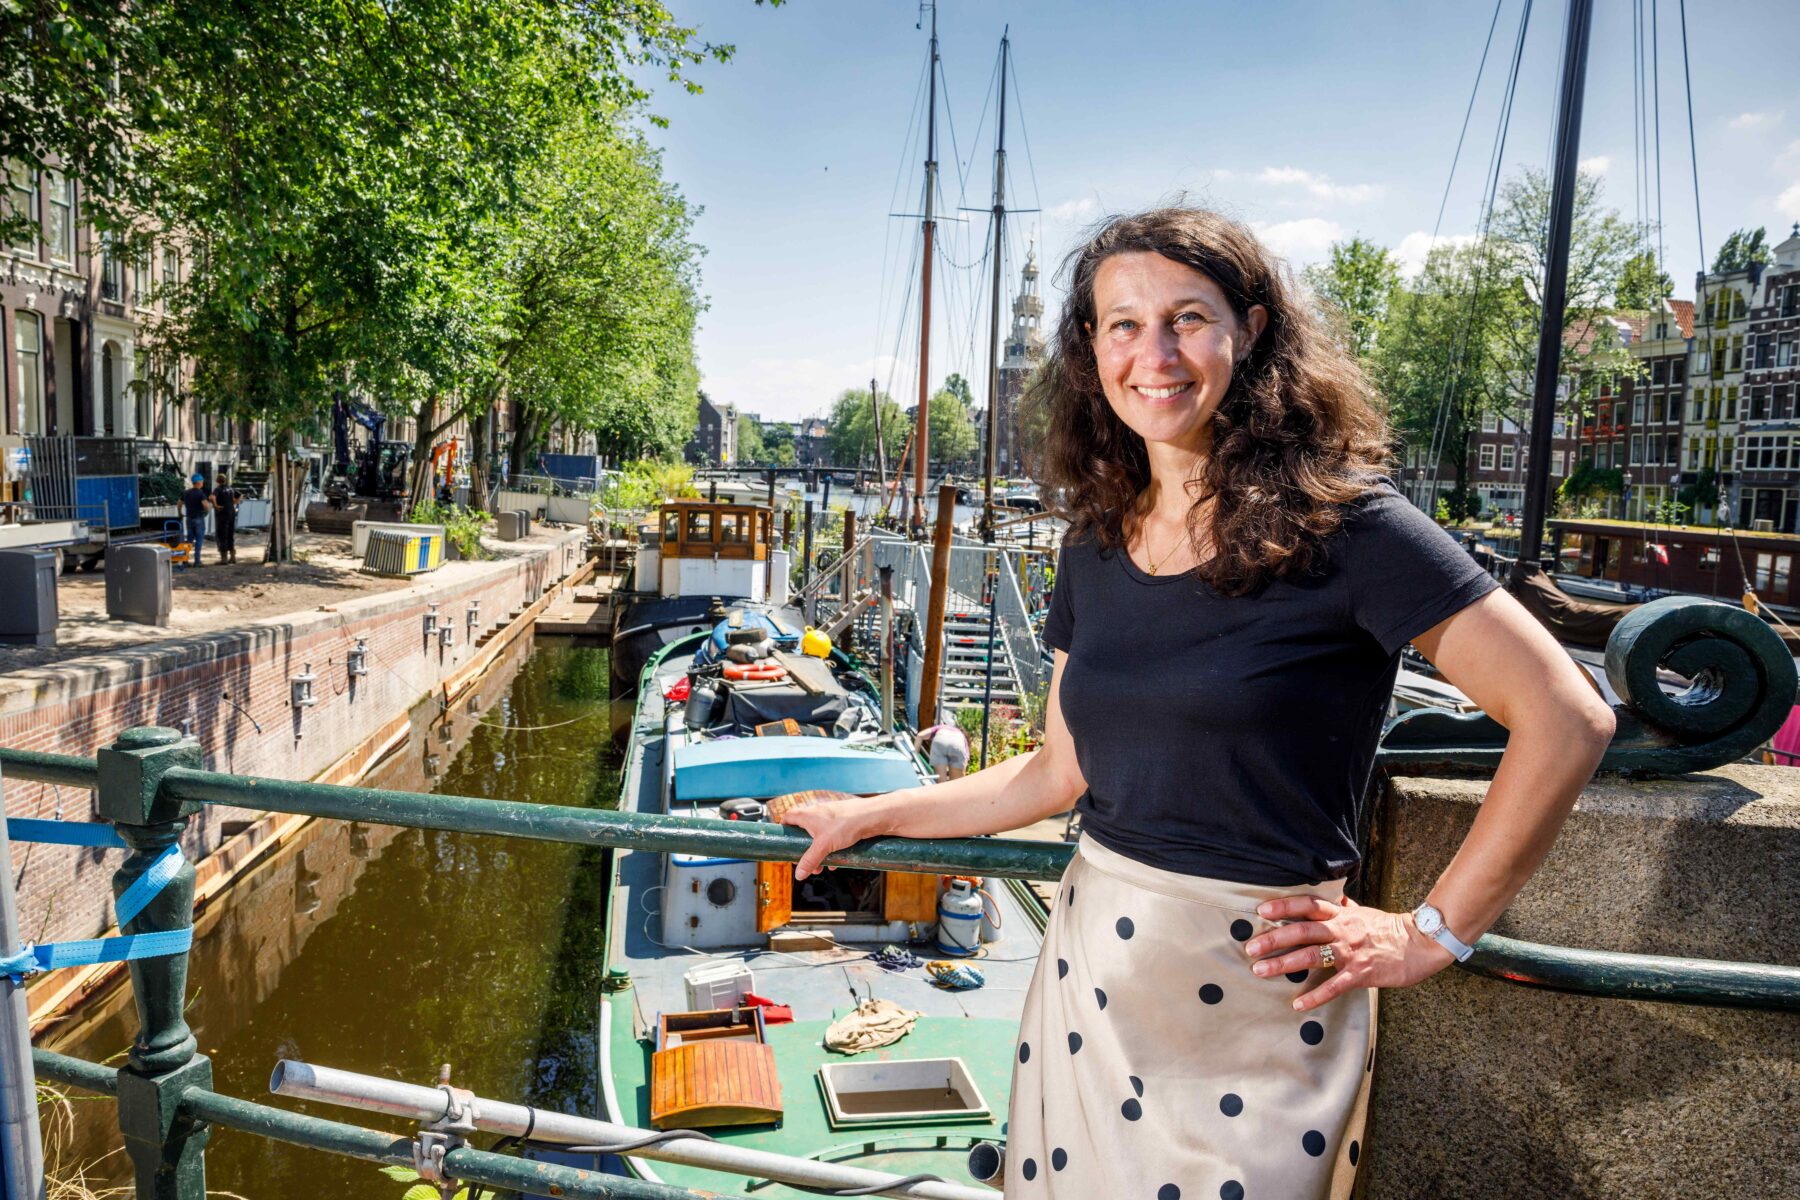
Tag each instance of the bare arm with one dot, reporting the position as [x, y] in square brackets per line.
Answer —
[1023, 789]
[1559, 727]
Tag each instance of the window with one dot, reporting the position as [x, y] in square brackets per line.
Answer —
[22, 202]
[62, 218]
[1656, 409]
[1487, 458]
[1730, 448]
[28, 342]
[1737, 351]
[1639, 405]
[1637, 449]
[112, 283]
[1506, 458]
[699, 525]
[171, 272]
[1489, 423]
[1678, 371]
[671, 527]
[1556, 462]
[1618, 453]
[1784, 354]
[1709, 558]
[1659, 373]
[140, 277]
[1737, 305]
[734, 527]
[1780, 403]
[1764, 353]
[1693, 452]
[1672, 450]
[1731, 403]
[1759, 404]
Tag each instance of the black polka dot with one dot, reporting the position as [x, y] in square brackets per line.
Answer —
[1231, 1104]
[1211, 993]
[1355, 1152]
[1313, 1142]
[1029, 1170]
[1168, 1191]
[1125, 928]
[1062, 967]
[1024, 1051]
[1231, 1189]
[1132, 1110]
[1071, 899]
[1297, 976]
[1241, 930]
[1100, 996]
[1059, 1158]
[1137, 1085]
[1074, 1041]
[1312, 1033]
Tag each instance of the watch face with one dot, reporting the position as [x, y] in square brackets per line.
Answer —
[1428, 919]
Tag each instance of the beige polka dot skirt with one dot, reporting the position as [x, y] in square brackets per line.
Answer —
[1152, 1065]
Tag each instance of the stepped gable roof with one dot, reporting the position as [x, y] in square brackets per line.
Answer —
[1684, 316]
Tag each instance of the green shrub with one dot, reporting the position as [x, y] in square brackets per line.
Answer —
[463, 526]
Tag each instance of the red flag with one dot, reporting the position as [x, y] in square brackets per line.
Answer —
[1661, 552]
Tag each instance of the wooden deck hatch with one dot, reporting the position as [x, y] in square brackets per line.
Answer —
[714, 1069]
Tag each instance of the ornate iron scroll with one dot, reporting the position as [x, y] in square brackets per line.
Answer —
[1741, 689]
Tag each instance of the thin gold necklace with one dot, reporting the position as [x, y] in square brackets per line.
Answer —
[1157, 564]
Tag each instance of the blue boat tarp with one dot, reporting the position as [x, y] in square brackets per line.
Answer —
[773, 766]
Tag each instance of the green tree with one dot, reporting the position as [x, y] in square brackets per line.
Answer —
[1356, 286]
[850, 429]
[1743, 247]
[953, 440]
[778, 444]
[957, 386]
[1641, 285]
[750, 447]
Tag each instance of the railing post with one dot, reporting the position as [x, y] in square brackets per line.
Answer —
[167, 1149]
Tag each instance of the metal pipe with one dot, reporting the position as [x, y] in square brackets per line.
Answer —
[887, 649]
[21, 1143]
[307, 1081]
[759, 840]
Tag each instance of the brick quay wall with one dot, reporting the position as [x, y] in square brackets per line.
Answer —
[221, 686]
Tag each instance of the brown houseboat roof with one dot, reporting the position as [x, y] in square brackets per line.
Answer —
[1698, 533]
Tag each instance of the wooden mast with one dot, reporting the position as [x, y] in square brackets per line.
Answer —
[993, 413]
[921, 432]
[1556, 282]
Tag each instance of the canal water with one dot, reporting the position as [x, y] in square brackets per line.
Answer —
[393, 951]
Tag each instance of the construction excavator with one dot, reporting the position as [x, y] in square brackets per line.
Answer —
[367, 485]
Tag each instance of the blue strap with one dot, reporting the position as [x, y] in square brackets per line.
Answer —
[64, 833]
[54, 955]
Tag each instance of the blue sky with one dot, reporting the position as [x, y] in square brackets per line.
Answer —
[1312, 121]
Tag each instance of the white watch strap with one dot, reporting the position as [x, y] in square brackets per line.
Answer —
[1443, 937]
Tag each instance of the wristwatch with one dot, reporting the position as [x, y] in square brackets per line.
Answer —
[1431, 923]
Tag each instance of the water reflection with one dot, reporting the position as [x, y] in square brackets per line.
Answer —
[391, 951]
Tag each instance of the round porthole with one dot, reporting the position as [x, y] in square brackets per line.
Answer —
[721, 892]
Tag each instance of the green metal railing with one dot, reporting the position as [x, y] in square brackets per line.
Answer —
[150, 782]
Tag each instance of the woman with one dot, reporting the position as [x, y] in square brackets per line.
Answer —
[1233, 594]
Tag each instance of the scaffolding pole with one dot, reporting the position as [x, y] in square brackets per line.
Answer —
[21, 1143]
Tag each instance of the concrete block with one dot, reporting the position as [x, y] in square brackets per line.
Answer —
[1486, 1088]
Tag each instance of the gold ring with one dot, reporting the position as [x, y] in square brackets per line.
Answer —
[1328, 956]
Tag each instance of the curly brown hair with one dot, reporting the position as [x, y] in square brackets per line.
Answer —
[1295, 439]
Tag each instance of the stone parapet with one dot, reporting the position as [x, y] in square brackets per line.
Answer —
[1488, 1088]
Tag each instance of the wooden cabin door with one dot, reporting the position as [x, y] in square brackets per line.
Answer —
[774, 895]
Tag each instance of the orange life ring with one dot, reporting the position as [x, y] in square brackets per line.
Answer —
[747, 672]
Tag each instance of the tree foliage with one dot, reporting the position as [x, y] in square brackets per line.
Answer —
[850, 429]
[1743, 247]
[953, 440]
[750, 448]
[1641, 285]
[1356, 285]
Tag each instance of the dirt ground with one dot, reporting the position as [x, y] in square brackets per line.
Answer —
[207, 598]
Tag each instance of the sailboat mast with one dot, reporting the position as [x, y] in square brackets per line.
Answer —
[921, 432]
[993, 413]
[880, 445]
[1556, 281]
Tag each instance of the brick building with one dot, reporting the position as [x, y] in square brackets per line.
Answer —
[1766, 483]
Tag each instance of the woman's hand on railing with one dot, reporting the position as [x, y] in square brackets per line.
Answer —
[837, 824]
[1368, 947]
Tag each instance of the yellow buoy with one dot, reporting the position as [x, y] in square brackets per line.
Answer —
[816, 643]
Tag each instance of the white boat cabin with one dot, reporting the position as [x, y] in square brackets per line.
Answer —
[714, 548]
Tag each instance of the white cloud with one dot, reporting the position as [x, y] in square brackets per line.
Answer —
[787, 389]
[1789, 202]
[1304, 241]
[1073, 212]
[1755, 120]
[1316, 185]
[1415, 246]
[1597, 165]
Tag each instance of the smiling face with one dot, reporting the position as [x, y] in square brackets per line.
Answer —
[1165, 343]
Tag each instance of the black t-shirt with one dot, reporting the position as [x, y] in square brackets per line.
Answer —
[194, 502]
[225, 502]
[1233, 737]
